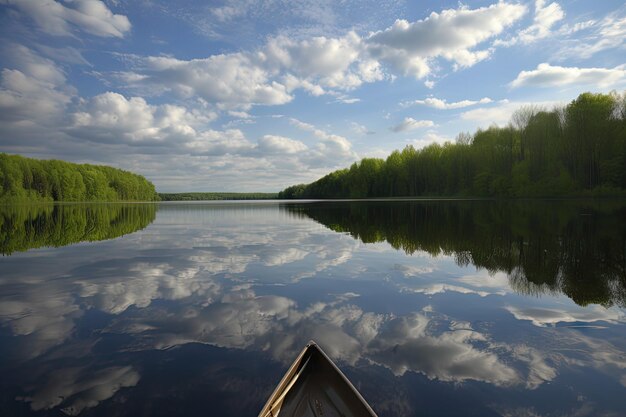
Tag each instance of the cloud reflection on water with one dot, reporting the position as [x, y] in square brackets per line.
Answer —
[85, 387]
[239, 284]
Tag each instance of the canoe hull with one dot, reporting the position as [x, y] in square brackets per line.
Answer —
[314, 387]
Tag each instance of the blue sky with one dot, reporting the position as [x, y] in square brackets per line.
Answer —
[258, 95]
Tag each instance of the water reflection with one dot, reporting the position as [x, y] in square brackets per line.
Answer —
[24, 227]
[215, 300]
[576, 248]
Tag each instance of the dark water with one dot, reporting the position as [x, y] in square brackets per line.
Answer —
[430, 308]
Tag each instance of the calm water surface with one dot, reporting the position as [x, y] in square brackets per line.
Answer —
[430, 308]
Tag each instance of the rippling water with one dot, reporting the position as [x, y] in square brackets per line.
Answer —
[430, 308]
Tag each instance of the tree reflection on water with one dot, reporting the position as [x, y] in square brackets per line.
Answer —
[576, 248]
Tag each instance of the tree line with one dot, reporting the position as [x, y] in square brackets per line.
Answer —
[577, 248]
[572, 150]
[26, 179]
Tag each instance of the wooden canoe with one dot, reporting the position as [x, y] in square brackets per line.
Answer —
[314, 387]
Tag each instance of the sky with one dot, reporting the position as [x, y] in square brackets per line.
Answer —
[248, 95]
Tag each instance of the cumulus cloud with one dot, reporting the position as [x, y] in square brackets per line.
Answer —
[33, 89]
[330, 144]
[239, 114]
[452, 34]
[219, 143]
[410, 123]
[230, 80]
[546, 75]
[266, 76]
[113, 117]
[280, 144]
[322, 65]
[330, 62]
[61, 19]
[440, 104]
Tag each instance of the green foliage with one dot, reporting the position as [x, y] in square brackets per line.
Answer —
[575, 247]
[25, 179]
[564, 152]
[24, 227]
[215, 196]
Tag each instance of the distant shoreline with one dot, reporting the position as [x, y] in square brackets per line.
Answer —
[211, 196]
[250, 199]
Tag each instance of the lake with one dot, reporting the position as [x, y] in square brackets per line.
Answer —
[431, 308]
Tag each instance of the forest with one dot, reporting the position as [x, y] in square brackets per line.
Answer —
[579, 149]
[577, 248]
[32, 180]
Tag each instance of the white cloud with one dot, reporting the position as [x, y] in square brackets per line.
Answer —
[501, 114]
[429, 138]
[330, 62]
[360, 129]
[596, 36]
[230, 80]
[410, 123]
[183, 139]
[444, 105]
[239, 114]
[546, 75]
[219, 143]
[545, 17]
[66, 54]
[280, 144]
[33, 91]
[56, 18]
[112, 117]
[324, 65]
[266, 76]
[452, 34]
[348, 100]
[330, 144]
[115, 119]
